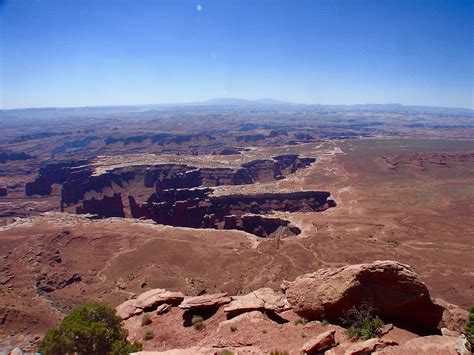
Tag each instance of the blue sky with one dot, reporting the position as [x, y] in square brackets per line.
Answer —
[104, 52]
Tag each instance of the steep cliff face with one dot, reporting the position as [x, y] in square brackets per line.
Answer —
[78, 178]
[50, 174]
[197, 208]
[106, 207]
[178, 194]
[82, 181]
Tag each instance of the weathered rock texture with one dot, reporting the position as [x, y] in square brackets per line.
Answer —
[153, 298]
[261, 299]
[429, 345]
[178, 194]
[250, 324]
[368, 346]
[322, 342]
[197, 208]
[205, 301]
[393, 289]
[454, 318]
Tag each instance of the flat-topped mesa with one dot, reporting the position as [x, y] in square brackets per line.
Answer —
[198, 208]
[177, 194]
[56, 173]
[80, 177]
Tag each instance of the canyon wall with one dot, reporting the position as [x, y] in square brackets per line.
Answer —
[181, 195]
[198, 208]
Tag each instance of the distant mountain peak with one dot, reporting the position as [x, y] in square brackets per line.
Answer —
[230, 101]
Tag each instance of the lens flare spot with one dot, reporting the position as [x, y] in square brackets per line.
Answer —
[199, 7]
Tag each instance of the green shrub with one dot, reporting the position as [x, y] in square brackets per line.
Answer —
[233, 328]
[363, 324]
[303, 335]
[146, 319]
[469, 328]
[148, 335]
[226, 352]
[278, 352]
[198, 322]
[264, 331]
[324, 323]
[91, 329]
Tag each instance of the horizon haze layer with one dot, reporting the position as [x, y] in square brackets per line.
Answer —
[231, 101]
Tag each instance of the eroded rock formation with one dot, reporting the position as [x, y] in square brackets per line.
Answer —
[198, 208]
[48, 175]
[391, 288]
[182, 196]
[251, 323]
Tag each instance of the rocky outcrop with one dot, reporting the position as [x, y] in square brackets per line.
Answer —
[250, 320]
[128, 309]
[261, 299]
[368, 346]
[205, 301]
[425, 160]
[181, 197]
[153, 298]
[107, 206]
[197, 208]
[50, 174]
[322, 342]
[393, 289]
[163, 308]
[149, 301]
[78, 177]
[251, 317]
[429, 345]
[454, 318]
[46, 283]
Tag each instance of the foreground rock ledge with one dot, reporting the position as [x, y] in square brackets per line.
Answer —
[392, 288]
[254, 323]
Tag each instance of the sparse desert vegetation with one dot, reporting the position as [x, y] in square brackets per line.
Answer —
[197, 322]
[92, 328]
[362, 322]
[146, 319]
[148, 335]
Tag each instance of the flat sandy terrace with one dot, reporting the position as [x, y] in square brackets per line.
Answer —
[102, 164]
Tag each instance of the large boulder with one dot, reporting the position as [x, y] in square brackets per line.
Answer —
[248, 318]
[205, 301]
[392, 288]
[128, 309]
[149, 300]
[261, 299]
[322, 342]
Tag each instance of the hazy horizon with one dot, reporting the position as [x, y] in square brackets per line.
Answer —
[118, 53]
[217, 102]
